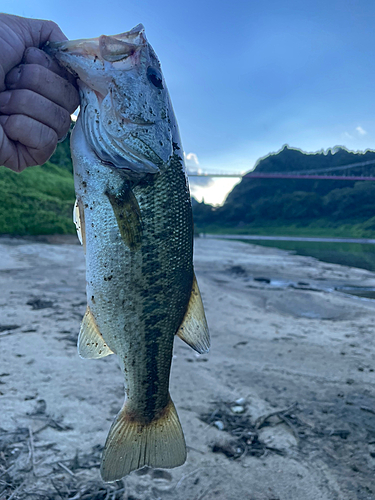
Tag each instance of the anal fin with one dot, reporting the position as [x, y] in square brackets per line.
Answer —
[194, 328]
[91, 343]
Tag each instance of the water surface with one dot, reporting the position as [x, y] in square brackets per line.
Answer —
[347, 252]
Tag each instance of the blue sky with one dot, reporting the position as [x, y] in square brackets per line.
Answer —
[246, 77]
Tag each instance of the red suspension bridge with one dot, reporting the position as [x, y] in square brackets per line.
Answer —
[323, 173]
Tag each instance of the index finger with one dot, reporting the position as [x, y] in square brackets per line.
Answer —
[17, 34]
[37, 56]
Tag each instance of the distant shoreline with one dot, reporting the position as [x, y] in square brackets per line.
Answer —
[366, 241]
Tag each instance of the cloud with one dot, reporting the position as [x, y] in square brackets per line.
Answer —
[191, 160]
[360, 130]
[192, 167]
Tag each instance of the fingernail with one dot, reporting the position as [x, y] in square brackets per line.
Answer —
[13, 77]
[4, 98]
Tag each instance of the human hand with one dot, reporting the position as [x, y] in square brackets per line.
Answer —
[36, 97]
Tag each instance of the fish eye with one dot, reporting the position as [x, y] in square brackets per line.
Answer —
[154, 77]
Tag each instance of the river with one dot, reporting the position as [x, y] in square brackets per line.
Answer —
[346, 251]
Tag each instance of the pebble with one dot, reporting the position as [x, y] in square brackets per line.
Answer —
[219, 424]
[240, 401]
[238, 409]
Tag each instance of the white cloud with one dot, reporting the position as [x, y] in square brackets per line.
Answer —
[192, 167]
[216, 192]
[191, 160]
[360, 130]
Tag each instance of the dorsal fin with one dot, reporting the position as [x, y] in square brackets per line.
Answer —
[91, 344]
[194, 328]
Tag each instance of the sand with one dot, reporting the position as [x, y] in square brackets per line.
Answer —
[284, 342]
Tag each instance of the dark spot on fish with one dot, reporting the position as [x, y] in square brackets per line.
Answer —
[86, 205]
[84, 184]
[93, 299]
[109, 122]
[108, 278]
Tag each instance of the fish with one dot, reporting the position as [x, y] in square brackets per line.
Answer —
[134, 219]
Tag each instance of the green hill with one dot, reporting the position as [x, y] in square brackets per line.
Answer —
[288, 206]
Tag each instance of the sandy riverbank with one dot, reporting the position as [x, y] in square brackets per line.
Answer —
[272, 347]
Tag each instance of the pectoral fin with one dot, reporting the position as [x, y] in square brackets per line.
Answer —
[194, 328]
[90, 341]
[79, 221]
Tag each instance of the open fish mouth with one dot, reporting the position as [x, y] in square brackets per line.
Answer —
[87, 56]
[107, 48]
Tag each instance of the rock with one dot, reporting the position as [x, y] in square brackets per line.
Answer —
[238, 409]
[219, 424]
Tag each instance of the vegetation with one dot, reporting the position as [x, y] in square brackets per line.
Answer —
[297, 206]
[39, 200]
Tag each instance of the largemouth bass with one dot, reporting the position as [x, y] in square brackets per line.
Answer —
[133, 215]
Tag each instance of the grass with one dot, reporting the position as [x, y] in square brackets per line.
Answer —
[321, 228]
[37, 201]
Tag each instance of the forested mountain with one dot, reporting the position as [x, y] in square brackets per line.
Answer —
[302, 201]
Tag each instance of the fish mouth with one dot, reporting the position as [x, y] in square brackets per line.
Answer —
[88, 59]
[105, 48]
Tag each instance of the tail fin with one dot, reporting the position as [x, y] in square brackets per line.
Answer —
[130, 444]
